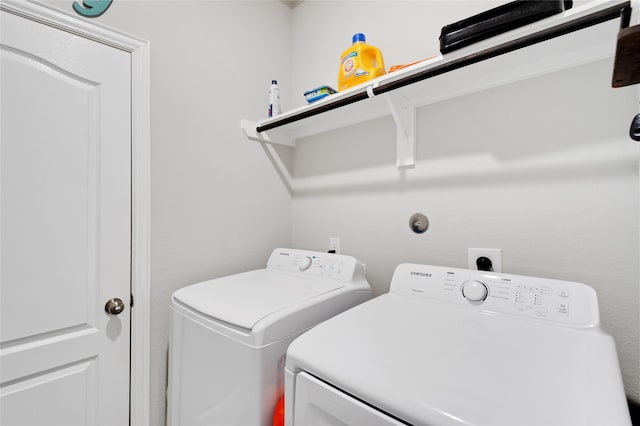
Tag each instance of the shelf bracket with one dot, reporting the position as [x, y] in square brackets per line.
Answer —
[404, 114]
[271, 137]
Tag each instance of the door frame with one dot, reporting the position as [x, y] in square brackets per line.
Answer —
[140, 181]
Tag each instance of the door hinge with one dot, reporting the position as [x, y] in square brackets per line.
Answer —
[131, 305]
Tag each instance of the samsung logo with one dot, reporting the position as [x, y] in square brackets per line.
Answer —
[421, 274]
[284, 254]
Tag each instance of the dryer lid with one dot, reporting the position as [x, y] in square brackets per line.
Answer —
[435, 363]
[242, 300]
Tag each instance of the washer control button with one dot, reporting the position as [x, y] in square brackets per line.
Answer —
[475, 291]
[541, 311]
[563, 308]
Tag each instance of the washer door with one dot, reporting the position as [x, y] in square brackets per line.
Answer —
[317, 403]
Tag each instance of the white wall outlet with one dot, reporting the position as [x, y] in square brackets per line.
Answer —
[334, 244]
[494, 254]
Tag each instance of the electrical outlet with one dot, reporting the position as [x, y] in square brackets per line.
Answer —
[334, 244]
[494, 254]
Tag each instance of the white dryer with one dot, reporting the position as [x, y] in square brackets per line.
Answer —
[459, 347]
[229, 335]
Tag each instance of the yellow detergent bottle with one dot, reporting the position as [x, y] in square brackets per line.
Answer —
[359, 63]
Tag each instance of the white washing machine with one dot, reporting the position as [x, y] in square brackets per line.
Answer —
[459, 347]
[229, 335]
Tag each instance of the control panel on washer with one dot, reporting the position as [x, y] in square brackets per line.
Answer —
[564, 302]
[314, 264]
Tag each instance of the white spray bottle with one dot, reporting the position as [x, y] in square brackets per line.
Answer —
[274, 99]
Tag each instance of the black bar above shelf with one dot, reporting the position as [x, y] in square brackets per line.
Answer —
[310, 113]
[510, 46]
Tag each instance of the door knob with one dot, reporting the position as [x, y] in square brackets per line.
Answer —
[114, 306]
[634, 131]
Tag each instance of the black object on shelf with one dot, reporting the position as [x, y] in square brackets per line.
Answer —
[497, 21]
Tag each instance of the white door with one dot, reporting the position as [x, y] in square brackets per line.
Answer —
[65, 138]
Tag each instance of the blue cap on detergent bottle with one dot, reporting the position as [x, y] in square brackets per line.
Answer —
[358, 37]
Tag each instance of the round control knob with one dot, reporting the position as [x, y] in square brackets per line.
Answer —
[304, 263]
[475, 291]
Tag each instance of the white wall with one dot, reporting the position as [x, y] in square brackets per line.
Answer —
[218, 206]
[542, 169]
